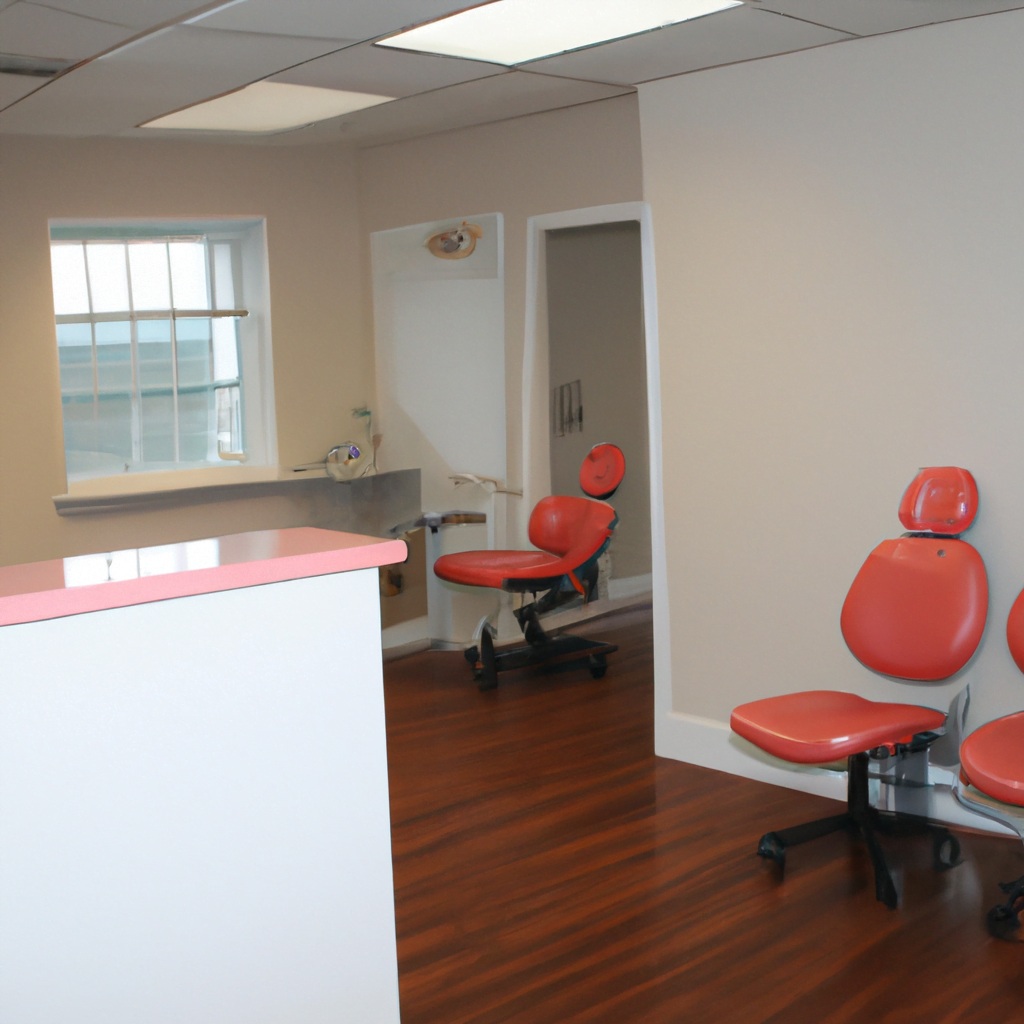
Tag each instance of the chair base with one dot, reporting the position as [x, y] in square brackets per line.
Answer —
[487, 662]
[867, 822]
[1002, 920]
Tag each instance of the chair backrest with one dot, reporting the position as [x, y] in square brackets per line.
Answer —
[917, 608]
[564, 525]
[1015, 631]
[602, 471]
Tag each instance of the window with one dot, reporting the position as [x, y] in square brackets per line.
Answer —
[161, 357]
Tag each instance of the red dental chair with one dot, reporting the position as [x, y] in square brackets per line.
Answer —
[572, 533]
[916, 610]
[991, 780]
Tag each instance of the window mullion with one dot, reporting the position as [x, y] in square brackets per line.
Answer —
[174, 357]
[137, 447]
[92, 336]
[174, 384]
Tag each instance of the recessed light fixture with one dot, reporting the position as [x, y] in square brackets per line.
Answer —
[266, 107]
[515, 31]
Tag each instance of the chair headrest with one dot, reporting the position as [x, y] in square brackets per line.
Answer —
[602, 471]
[940, 499]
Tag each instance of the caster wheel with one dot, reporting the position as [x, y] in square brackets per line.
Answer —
[770, 848]
[945, 852]
[1002, 922]
[598, 665]
[472, 655]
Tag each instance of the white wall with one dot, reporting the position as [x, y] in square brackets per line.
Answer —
[840, 251]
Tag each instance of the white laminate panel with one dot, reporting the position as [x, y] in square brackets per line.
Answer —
[194, 819]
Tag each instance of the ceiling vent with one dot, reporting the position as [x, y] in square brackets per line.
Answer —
[34, 67]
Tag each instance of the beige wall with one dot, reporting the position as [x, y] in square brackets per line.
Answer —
[567, 159]
[840, 253]
[323, 363]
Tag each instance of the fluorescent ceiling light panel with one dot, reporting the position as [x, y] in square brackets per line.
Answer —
[516, 31]
[267, 107]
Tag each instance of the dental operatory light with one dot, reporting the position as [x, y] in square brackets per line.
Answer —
[455, 243]
[267, 107]
[515, 31]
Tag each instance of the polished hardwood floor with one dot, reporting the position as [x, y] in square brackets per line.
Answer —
[549, 868]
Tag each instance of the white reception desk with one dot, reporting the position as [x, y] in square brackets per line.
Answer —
[194, 823]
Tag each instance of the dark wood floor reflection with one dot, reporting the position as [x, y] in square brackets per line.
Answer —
[549, 868]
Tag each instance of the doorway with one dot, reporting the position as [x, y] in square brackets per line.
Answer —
[537, 403]
[598, 380]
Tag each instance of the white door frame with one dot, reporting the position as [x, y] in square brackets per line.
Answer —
[536, 409]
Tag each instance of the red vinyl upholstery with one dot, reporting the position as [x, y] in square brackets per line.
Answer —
[1015, 631]
[568, 530]
[992, 759]
[917, 608]
[818, 726]
[941, 499]
[602, 471]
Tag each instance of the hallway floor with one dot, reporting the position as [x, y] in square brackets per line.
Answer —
[550, 869]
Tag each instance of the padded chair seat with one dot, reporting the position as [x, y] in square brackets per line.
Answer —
[491, 568]
[992, 759]
[818, 726]
[569, 531]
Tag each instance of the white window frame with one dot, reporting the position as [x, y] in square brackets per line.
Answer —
[256, 427]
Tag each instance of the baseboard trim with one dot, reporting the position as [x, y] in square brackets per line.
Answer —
[630, 586]
[401, 634]
[712, 744]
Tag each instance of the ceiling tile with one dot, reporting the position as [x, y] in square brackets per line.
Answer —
[509, 94]
[870, 17]
[741, 33]
[136, 13]
[353, 19]
[35, 31]
[369, 68]
[165, 72]
[13, 87]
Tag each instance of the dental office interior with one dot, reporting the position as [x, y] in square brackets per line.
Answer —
[269, 788]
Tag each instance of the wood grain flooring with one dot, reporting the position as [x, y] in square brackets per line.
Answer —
[549, 868]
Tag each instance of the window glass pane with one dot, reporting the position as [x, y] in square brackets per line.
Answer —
[70, 292]
[108, 277]
[114, 430]
[76, 366]
[197, 419]
[80, 426]
[114, 360]
[74, 334]
[224, 275]
[225, 348]
[154, 354]
[188, 275]
[193, 351]
[229, 419]
[151, 285]
[157, 415]
[74, 352]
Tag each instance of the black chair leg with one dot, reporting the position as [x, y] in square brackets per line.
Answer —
[885, 888]
[488, 679]
[773, 845]
[867, 822]
[1002, 919]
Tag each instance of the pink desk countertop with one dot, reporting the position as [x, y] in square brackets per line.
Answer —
[92, 583]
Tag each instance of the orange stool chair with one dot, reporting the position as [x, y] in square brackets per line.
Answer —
[916, 610]
[572, 533]
[991, 780]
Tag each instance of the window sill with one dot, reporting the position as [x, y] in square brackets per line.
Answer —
[144, 491]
